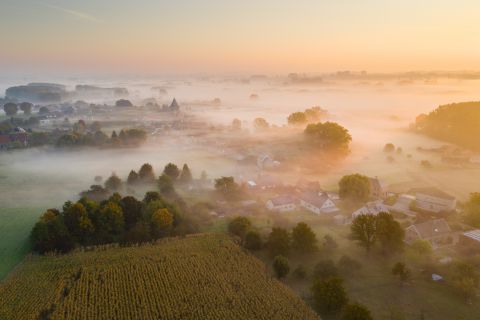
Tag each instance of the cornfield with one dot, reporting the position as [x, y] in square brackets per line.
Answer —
[197, 277]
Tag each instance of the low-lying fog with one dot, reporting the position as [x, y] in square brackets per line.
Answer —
[374, 112]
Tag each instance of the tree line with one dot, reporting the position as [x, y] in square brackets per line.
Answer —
[103, 216]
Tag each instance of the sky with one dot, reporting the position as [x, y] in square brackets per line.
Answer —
[262, 36]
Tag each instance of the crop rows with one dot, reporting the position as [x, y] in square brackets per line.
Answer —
[198, 277]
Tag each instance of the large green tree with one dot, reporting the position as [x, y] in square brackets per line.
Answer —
[132, 211]
[172, 171]
[146, 173]
[281, 266]
[253, 240]
[329, 296]
[26, 107]
[472, 210]
[297, 118]
[304, 239]
[113, 183]
[110, 223]
[227, 187]
[328, 135]
[363, 230]
[186, 175]
[354, 187]
[389, 233]
[10, 108]
[239, 226]
[356, 311]
[51, 234]
[278, 242]
[78, 222]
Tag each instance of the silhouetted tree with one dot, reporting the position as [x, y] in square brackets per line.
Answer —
[10, 108]
[146, 173]
[186, 174]
[172, 171]
[26, 107]
[113, 183]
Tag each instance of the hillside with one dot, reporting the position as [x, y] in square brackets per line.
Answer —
[197, 277]
[458, 123]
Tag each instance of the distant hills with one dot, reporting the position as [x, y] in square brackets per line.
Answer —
[458, 123]
[56, 93]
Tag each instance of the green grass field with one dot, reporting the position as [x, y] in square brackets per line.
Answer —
[15, 226]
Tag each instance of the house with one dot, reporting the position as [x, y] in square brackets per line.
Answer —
[16, 137]
[377, 189]
[371, 208]
[434, 200]
[470, 240]
[437, 232]
[281, 204]
[264, 161]
[318, 203]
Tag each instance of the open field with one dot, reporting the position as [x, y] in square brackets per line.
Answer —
[198, 277]
[15, 227]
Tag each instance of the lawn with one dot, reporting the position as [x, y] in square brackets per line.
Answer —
[15, 227]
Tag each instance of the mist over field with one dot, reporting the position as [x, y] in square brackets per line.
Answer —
[375, 112]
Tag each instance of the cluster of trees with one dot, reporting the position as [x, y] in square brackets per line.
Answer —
[456, 123]
[145, 176]
[11, 108]
[114, 220]
[309, 115]
[329, 295]
[329, 135]
[280, 242]
[383, 229]
[81, 137]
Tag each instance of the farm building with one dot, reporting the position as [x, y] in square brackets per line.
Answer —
[318, 203]
[434, 200]
[281, 204]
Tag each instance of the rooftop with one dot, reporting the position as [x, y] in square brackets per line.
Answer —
[432, 228]
[315, 199]
[473, 234]
[282, 200]
[434, 192]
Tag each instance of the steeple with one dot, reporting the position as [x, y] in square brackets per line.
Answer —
[174, 105]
